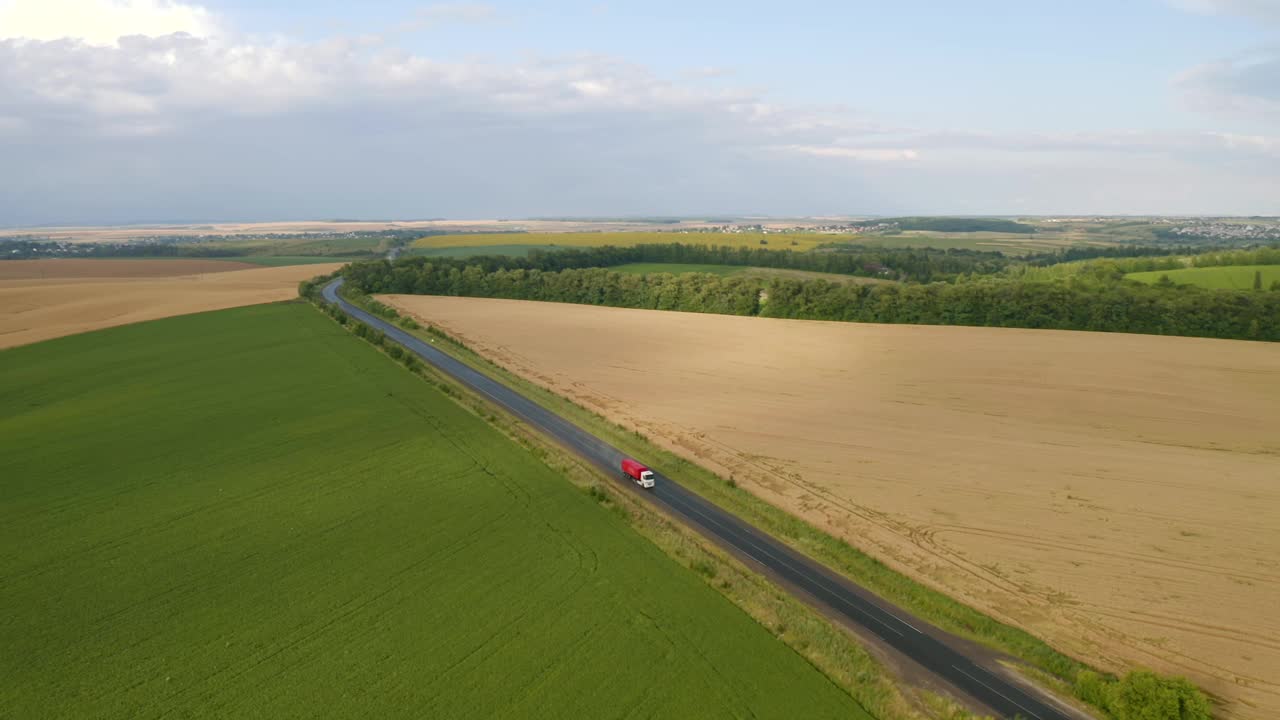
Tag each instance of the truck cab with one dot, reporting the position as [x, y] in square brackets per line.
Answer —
[641, 474]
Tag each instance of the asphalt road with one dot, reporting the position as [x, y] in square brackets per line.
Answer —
[809, 580]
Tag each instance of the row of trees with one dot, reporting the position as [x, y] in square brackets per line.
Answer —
[1110, 269]
[1256, 256]
[918, 264]
[911, 264]
[988, 301]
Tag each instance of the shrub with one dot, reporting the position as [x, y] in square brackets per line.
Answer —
[1143, 695]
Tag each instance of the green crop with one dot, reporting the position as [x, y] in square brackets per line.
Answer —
[251, 513]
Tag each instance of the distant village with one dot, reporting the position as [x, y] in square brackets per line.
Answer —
[1228, 231]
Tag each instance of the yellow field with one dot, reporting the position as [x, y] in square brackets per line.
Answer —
[42, 299]
[1115, 494]
[67, 268]
[776, 241]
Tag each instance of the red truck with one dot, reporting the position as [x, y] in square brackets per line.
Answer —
[641, 474]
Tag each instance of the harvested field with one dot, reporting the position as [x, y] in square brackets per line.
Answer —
[799, 242]
[78, 268]
[1114, 494]
[44, 299]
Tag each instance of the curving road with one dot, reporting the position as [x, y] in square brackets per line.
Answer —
[811, 581]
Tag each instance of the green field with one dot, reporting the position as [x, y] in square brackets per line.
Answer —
[1010, 244]
[739, 271]
[277, 260]
[251, 513]
[472, 251]
[775, 241]
[1228, 277]
[678, 268]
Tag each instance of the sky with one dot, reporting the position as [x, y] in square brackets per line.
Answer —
[123, 111]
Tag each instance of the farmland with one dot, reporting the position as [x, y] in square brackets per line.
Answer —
[794, 241]
[251, 513]
[471, 251]
[1008, 243]
[42, 299]
[66, 269]
[1110, 493]
[1237, 277]
[738, 271]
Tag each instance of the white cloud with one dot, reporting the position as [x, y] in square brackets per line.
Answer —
[100, 22]
[429, 16]
[223, 128]
[1248, 84]
[851, 153]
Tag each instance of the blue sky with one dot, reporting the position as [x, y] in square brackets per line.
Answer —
[274, 110]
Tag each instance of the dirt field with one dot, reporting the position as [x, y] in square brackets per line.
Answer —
[63, 268]
[1117, 495]
[42, 299]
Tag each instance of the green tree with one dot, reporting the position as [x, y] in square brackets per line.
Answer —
[1257, 279]
[1143, 695]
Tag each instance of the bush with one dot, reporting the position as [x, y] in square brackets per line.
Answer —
[1143, 695]
[1092, 688]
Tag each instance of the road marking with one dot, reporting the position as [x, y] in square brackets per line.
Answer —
[1006, 697]
[803, 575]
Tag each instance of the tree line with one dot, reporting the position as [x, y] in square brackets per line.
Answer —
[917, 264]
[908, 264]
[1071, 304]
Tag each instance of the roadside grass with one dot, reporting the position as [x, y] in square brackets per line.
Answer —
[250, 512]
[927, 603]
[829, 648]
[776, 241]
[1227, 277]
